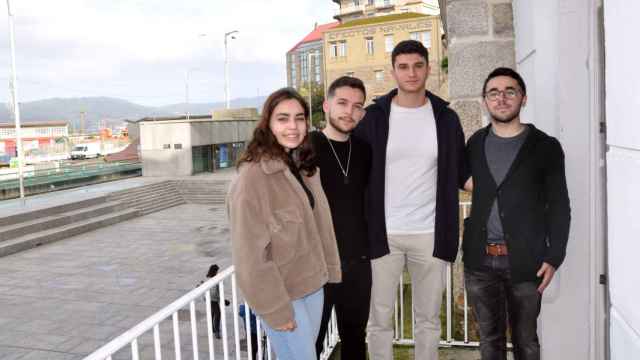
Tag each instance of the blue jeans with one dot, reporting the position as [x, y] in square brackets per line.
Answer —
[300, 344]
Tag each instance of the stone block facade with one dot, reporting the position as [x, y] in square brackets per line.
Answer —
[481, 38]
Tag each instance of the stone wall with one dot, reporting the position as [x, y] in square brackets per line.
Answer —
[481, 38]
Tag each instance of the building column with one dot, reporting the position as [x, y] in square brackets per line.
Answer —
[480, 36]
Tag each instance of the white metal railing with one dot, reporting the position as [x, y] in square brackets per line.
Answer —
[229, 346]
[146, 340]
[350, 9]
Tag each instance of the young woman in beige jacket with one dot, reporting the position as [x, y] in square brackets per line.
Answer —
[284, 247]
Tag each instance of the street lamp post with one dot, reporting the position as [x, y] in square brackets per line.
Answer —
[186, 91]
[309, 56]
[13, 90]
[227, 94]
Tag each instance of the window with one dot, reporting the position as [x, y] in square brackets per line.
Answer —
[294, 70]
[333, 50]
[423, 36]
[387, 2]
[166, 146]
[342, 48]
[317, 67]
[372, 2]
[177, 146]
[388, 43]
[369, 42]
[379, 75]
[304, 67]
[356, 2]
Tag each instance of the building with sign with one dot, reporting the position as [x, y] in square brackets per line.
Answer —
[42, 137]
[362, 48]
[357, 9]
[305, 60]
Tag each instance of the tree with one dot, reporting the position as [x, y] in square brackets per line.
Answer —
[317, 98]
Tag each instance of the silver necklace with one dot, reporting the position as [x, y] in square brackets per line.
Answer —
[345, 172]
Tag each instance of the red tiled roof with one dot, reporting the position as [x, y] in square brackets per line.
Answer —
[316, 34]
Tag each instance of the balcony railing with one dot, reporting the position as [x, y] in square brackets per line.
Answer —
[352, 9]
[160, 334]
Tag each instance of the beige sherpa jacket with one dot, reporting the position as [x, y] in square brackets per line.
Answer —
[282, 248]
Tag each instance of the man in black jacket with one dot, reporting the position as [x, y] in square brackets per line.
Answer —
[517, 233]
[412, 200]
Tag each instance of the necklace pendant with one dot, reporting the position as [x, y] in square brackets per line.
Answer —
[346, 179]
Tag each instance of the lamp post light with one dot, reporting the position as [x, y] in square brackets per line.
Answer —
[309, 56]
[227, 94]
[13, 90]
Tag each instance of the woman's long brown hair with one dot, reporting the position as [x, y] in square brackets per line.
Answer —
[264, 145]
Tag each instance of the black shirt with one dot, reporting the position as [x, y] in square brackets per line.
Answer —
[346, 199]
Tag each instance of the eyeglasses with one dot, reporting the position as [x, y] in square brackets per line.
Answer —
[493, 95]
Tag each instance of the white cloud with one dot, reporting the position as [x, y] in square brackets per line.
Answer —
[71, 44]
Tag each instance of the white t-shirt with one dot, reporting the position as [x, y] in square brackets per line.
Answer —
[411, 170]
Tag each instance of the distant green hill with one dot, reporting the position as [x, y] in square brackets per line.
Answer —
[111, 110]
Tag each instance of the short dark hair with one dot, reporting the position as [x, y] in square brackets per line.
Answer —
[505, 71]
[409, 47]
[349, 81]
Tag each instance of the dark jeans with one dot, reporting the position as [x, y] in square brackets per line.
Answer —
[496, 300]
[351, 299]
[215, 317]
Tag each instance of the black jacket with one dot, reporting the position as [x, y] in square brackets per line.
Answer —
[533, 202]
[374, 129]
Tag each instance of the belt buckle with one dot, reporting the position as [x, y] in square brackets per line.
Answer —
[497, 248]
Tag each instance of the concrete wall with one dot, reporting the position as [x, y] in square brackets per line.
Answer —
[557, 52]
[480, 34]
[623, 172]
[156, 159]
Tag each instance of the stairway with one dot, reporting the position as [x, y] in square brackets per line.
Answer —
[149, 198]
[38, 227]
[206, 192]
[28, 230]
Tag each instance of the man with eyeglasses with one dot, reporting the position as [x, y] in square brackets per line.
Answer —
[516, 236]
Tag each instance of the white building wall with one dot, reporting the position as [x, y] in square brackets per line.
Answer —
[160, 161]
[623, 172]
[555, 54]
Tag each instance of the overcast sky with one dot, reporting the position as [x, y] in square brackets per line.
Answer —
[139, 50]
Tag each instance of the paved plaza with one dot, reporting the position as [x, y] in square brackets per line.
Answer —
[63, 300]
[66, 299]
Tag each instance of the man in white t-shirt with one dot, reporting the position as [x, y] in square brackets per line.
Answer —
[412, 204]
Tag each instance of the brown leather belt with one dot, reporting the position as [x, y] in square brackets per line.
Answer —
[497, 250]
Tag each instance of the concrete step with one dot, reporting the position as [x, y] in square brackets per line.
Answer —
[146, 195]
[151, 201]
[162, 206]
[43, 237]
[164, 186]
[41, 213]
[207, 202]
[49, 222]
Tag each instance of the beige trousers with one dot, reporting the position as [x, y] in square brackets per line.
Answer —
[427, 285]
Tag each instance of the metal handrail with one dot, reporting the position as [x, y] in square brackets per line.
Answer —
[130, 337]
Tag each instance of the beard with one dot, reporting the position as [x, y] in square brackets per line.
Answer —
[506, 118]
[335, 123]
